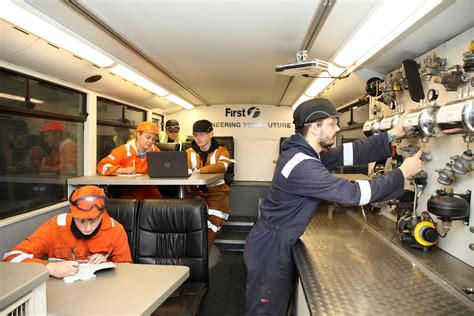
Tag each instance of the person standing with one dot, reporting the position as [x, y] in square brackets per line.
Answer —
[63, 156]
[207, 156]
[130, 158]
[172, 134]
[86, 233]
[300, 181]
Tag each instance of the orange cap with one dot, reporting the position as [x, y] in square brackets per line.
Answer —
[148, 127]
[53, 126]
[88, 202]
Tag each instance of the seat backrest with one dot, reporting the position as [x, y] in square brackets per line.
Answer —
[174, 232]
[168, 146]
[227, 141]
[125, 211]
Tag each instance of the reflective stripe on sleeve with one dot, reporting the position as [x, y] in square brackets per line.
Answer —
[194, 163]
[22, 257]
[293, 162]
[14, 252]
[214, 184]
[213, 227]
[212, 159]
[106, 167]
[365, 191]
[61, 220]
[348, 154]
[111, 157]
[218, 213]
[112, 222]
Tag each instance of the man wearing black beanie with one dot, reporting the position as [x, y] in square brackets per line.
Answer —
[206, 156]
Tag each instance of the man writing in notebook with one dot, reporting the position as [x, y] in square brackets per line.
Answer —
[207, 156]
[87, 233]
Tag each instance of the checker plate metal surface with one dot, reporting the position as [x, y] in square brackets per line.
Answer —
[346, 268]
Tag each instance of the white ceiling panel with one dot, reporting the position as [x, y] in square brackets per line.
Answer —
[225, 52]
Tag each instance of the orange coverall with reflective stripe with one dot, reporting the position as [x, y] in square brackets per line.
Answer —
[126, 156]
[63, 160]
[54, 239]
[215, 194]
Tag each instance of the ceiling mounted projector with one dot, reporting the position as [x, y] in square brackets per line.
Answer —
[302, 66]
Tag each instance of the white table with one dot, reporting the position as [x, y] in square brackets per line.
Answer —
[23, 283]
[194, 179]
[128, 289]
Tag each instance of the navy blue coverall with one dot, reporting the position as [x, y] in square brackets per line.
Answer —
[301, 180]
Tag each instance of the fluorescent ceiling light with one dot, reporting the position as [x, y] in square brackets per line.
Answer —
[18, 98]
[177, 100]
[388, 21]
[33, 24]
[139, 80]
[300, 100]
[318, 85]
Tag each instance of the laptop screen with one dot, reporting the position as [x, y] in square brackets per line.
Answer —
[167, 164]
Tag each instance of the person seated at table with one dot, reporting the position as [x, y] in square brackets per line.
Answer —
[63, 156]
[86, 233]
[172, 134]
[21, 155]
[130, 159]
[207, 156]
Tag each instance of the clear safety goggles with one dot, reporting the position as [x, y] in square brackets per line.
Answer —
[88, 202]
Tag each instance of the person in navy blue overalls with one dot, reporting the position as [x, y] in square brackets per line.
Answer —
[301, 180]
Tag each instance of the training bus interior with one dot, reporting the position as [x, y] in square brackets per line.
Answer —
[97, 69]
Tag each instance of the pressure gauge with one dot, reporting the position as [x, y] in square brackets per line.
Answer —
[432, 94]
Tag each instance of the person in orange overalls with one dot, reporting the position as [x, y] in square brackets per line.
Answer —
[130, 158]
[63, 156]
[206, 156]
[87, 233]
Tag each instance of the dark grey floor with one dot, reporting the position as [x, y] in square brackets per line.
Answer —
[226, 295]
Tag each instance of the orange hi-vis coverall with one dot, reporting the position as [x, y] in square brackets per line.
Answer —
[126, 156]
[55, 240]
[63, 160]
[215, 194]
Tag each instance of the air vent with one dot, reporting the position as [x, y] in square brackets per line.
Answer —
[22, 307]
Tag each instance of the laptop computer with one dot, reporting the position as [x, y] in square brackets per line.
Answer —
[167, 164]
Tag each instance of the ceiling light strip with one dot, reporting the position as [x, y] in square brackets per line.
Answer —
[388, 22]
[20, 17]
[137, 79]
[177, 100]
[31, 23]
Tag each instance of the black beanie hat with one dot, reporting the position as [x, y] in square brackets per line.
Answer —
[202, 126]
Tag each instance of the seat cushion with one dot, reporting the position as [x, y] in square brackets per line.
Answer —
[186, 300]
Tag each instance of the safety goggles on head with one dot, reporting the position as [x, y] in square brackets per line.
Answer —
[87, 203]
[173, 129]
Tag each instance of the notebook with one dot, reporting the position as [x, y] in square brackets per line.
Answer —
[167, 164]
[87, 271]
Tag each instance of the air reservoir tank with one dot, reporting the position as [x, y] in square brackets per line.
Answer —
[456, 117]
[421, 122]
